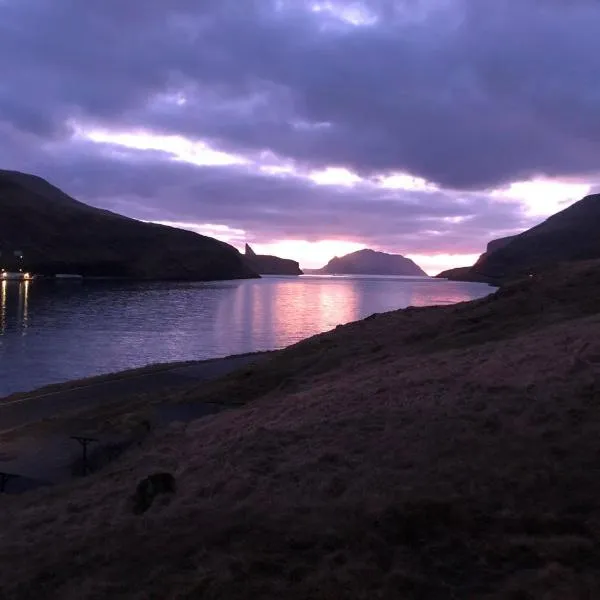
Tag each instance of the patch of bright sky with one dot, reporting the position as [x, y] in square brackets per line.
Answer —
[334, 176]
[455, 220]
[433, 264]
[311, 255]
[181, 148]
[277, 169]
[544, 197]
[352, 13]
[403, 181]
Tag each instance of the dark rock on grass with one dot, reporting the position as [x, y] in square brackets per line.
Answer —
[150, 487]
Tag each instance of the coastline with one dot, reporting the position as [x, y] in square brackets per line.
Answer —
[117, 410]
[106, 402]
[113, 376]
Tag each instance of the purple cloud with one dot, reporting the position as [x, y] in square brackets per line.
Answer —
[469, 95]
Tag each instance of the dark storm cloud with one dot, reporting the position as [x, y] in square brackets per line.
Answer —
[152, 185]
[466, 94]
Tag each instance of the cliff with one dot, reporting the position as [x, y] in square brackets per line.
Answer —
[467, 273]
[568, 236]
[58, 234]
[498, 243]
[370, 262]
[265, 264]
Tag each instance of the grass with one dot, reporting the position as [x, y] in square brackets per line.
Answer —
[443, 452]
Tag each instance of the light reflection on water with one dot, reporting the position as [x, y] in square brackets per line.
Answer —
[55, 331]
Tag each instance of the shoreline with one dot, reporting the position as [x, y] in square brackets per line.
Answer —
[118, 410]
[125, 374]
[114, 402]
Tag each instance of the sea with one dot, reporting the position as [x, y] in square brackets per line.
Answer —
[55, 331]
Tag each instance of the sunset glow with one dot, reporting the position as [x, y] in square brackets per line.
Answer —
[311, 255]
[545, 197]
[540, 198]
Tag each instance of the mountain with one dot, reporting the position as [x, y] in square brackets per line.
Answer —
[570, 235]
[467, 273]
[265, 264]
[370, 262]
[58, 234]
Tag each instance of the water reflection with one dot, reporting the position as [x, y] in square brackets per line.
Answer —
[14, 296]
[3, 307]
[276, 312]
[51, 332]
[23, 303]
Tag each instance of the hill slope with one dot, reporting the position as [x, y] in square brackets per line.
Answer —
[442, 452]
[58, 234]
[265, 264]
[370, 262]
[570, 235]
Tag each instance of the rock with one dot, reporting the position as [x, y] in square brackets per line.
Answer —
[150, 487]
[265, 264]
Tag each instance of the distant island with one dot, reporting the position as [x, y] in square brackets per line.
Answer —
[370, 262]
[265, 264]
[54, 233]
[569, 235]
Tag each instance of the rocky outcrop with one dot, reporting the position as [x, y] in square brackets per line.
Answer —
[499, 243]
[466, 273]
[370, 262]
[569, 235]
[265, 264]
[456, 274]
[57, 234]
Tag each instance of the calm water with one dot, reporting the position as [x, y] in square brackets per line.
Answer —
[56, 331]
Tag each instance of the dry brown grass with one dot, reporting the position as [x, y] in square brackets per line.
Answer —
[429, 453]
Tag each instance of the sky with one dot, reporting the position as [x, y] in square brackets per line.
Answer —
[310, 129]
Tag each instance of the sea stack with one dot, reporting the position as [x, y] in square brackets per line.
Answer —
[265, 264]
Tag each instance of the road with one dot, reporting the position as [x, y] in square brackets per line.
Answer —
[19, 412]
[49, 458]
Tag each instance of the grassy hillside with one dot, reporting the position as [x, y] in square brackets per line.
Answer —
[58, 234]
[442, 452]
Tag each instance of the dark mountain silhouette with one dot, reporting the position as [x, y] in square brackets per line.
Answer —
[58, 234]
[266, 264]
[370, 262]
[466, 273]
[570, 235]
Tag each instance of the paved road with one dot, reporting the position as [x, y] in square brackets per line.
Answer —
[16, 413]
[50, 459]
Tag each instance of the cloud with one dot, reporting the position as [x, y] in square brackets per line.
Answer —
[469, 95]
[153, 185]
